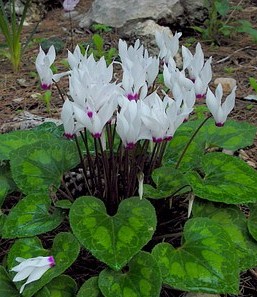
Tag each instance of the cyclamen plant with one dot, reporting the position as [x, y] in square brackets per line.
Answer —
[135, 154]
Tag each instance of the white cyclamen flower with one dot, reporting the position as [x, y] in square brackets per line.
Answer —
[220, 110]
[69, 5]
[31, 269]
[70, 125]
[43, 64]
[160, 117]
[193, 63]
[168, 44]
[75, 58]
[129, 123]
[136, 60]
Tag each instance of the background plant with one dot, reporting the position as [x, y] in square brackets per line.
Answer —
[219, 22]
[11, 28]
[98, 48]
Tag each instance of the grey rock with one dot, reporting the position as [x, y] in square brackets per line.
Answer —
[123, 13]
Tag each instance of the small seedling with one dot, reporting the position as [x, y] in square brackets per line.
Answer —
[253, 83]
[101, 28]
[229, 70]
[97, 48]
[46, 97]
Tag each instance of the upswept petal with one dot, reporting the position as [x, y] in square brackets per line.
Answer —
[229, 103]
[218, 110]
[51, 55]
[206, 72]
[212, 103]
[219, 93]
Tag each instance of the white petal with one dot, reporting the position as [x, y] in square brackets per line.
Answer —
[22, 274]
[206, 72]
[212, 103]
[58, 76]
[51, 54]
[37, 274]
[229, 103]
[219, 93]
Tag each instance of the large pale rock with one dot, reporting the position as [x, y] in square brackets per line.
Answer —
[120, 13]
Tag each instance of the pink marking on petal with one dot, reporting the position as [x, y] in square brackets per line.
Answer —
[133, 97]
[157, 140]
[51, 261]
[200, 96]
[130, 145]
[219, 124]
[168, 138]
[97, 135]
[69, 135]
[90, 114]
[45, 86]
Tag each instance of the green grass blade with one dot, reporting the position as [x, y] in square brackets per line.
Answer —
[4, 23]
[13, 17]
[30, 37]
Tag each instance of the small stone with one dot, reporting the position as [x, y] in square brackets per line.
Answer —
[23, 82]
[243, 155]
[228, 152]
[227, 83]
[18, 100]
[251, 163]
[35, 95]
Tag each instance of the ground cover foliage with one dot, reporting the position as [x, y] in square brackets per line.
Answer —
[218, 241]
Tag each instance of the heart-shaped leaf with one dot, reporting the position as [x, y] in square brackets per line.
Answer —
[65, 250]
[16, 139]
[50, 128]
[4, 189]
[169, 181]
[42, 165]
[233, 136]
[252, 221]
[7, 287]
[65, 204]
[207, 261]
[224, 179]
[2, 221]
[62, 285]
[175, 148]
[142, 280]
[113, 239]
[28, 218]
[233, 221]
[7, 184]
[90, 288]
